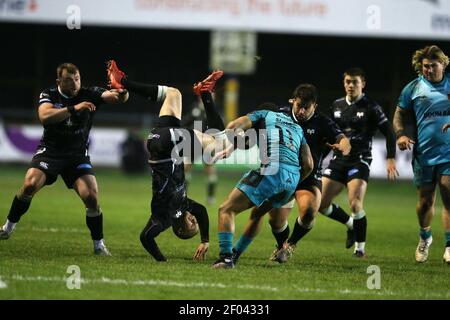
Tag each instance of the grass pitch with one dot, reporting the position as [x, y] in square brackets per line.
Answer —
[52, 236]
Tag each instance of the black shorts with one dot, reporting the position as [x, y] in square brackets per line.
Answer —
[69, 167]
[313, 180]
[344, 171]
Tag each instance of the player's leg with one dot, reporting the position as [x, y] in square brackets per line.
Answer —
[212, 181]
[204, 90]
[278, 220]
[119, 80]
[308, 202]
[425, 213]
[444, 186]
[356, 192]
[251, 230]
[235, 203]
[33, 182]
[331, 188]
[87, 189]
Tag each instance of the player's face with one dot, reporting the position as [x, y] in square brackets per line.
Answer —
[69, 83]
[432, 70]
[354, 86]
[303, 110]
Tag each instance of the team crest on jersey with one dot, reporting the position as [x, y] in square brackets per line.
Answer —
[360, 114]
[327, 171]
[153, 135]
[310, 131]
[178, 214]
[43, 164]
[337, 114]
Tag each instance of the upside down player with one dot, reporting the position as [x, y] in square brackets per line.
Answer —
[170, 205]
[321, 133]
[66, 111]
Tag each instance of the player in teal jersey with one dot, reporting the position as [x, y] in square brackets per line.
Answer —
[428, 98]
[285, 159]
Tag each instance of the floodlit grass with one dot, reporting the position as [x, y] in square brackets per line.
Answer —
[52, 236]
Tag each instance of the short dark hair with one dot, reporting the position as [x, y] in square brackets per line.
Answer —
[306, 92]
[355, 72]
[70, 67]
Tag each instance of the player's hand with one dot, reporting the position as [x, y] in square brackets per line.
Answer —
[85, 105]
[391, 169]
[202, 250]
[405, 142]
[344, 148]
[445, 127]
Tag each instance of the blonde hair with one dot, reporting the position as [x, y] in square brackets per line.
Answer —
[429, 52]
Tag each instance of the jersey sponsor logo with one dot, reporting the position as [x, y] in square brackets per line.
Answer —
[310, 131]
[84, 166]
[360, 114]
[352, 172]
[178, 214]
[43, 164]
[437, 113]
[153, 135]
[40, 151]
[337, 114]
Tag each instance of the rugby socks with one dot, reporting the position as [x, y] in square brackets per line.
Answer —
[425, 233]
[300, 230]
[281, 235]
[94, 221]
[148, 235]
[213, 118]
[447, 238]
[225, 243]
[360, 227]
[18, 208]
[337, 213]
[241, 245]
[150, 91]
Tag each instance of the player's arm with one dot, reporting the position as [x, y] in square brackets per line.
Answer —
[48, 114]
[242, 123]
[403, 141]
[387, 130]
[201, 215]
[307, 161]
[115, 96]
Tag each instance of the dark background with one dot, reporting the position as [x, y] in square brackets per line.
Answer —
[30, 54]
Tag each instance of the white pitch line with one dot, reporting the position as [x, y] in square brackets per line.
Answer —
[57, 230]
[169, 283]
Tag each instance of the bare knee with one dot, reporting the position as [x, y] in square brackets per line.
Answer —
[90, 198]
[173, 93]
[356, 205]
[30, 187]
[425, 204]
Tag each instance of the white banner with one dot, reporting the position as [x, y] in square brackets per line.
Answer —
[18, 144]
[428, 19]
